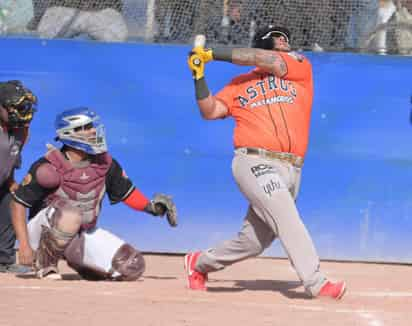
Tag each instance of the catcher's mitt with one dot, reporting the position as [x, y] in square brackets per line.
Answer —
[162, 204]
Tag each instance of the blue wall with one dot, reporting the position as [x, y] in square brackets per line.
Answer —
[355, 197]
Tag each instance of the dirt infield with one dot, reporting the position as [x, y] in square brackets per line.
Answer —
[255, 292]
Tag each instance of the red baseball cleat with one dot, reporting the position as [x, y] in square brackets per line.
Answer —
[195, 279]
[333, 290]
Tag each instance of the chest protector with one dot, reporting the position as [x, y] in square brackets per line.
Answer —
[9, 155]
[82, 185]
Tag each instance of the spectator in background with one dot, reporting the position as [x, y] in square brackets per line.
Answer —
[324, 24]
[362, 21]
[99, 20]
[403, 30]
[406, 4]
[15, 15]
[393, 28]
[385, 11]
[174, 20]
[267, 12]
[236, 28]
[208, 19]
[315, 24]
[225, 21]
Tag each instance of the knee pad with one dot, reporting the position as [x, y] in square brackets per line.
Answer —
[129, 263]
[51, 249]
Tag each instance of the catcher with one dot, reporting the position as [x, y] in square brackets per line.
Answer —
[64, 191]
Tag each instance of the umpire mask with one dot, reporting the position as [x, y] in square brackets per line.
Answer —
[19, 103]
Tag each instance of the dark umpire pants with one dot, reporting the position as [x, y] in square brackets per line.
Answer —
[7, 235]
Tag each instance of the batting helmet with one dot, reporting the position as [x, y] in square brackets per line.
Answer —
[263, 38]
[18, 101]
[68, 125]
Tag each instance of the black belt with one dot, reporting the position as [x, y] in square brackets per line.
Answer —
[293, 159]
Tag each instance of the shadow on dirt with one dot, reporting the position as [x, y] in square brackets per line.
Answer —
[77, 277]
[160, 277]
[286, 288]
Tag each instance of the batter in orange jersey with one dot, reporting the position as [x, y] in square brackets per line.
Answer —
[271, 106]
[271, 112]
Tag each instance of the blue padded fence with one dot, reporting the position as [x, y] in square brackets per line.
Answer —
[356, 194]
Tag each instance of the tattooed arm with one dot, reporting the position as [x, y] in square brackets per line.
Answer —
[270, 61]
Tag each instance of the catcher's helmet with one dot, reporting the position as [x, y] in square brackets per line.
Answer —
[263, 38]
[69, 126]
[18, 101]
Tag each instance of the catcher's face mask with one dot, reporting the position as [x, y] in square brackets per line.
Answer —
[82, 129]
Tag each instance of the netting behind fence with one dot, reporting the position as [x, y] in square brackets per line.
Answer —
[366, 25]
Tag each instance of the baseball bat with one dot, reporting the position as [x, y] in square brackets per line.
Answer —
[200, 41]
[226, 9]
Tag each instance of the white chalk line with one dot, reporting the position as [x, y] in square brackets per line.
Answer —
[382, 294]
[371, 319]
[32, 287]
[337, 310]
[368, 315]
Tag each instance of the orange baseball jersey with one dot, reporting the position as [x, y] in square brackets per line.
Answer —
[270, 112]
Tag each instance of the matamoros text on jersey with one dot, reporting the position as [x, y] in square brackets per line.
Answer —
[268, 88]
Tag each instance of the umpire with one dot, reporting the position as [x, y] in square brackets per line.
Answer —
[17, 106]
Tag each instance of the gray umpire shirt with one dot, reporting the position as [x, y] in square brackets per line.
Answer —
[10, 159]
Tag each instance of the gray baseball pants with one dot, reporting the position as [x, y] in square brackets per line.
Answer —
[271, 187]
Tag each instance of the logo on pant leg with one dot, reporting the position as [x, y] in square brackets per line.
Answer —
[271, 187]
[262, 169]
[268, 178]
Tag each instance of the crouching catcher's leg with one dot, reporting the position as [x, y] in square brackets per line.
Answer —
[64, 223]
[49, 253]
[116, 260]
[129, 263]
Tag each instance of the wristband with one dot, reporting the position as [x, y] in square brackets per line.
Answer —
[202, 91]
[222, 54]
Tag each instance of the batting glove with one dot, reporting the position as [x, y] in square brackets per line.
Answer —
[196, 65]
[205, 54]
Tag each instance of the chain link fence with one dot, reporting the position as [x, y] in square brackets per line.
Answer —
[375, 26]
